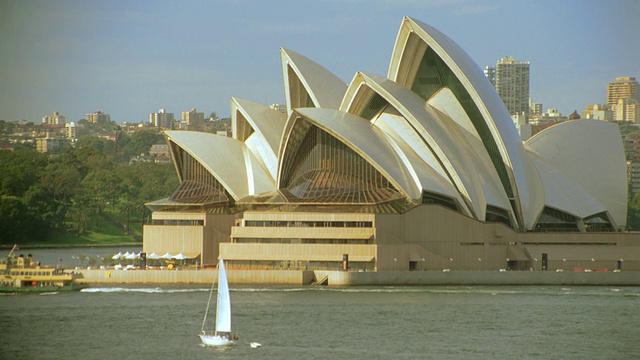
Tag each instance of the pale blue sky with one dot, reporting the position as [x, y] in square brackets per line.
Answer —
[129, 58]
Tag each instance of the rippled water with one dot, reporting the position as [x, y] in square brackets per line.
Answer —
[320, 323]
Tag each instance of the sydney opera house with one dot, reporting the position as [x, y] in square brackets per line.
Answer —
[421, 169]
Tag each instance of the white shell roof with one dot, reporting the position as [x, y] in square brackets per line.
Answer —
[428, 175]
[264, 120]
[570, 199]
[324, 87]
[365, 140]
[267, 124]
[590, 154]
[525, 181]
[467, 166]
[227, 159]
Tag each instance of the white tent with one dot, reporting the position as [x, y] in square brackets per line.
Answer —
[131, 256]
[117, 256]
[182, 256]
[154, 256]
[167, 256]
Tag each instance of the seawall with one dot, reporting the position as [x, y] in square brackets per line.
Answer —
[270, 277]
[340, 278]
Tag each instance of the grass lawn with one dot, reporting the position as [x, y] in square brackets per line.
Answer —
[108, 230]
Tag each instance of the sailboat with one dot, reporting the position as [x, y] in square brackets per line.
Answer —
[222, 333]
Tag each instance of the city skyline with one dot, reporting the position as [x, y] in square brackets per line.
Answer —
[132, 59]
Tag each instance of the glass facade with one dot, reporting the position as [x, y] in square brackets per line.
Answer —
[323, 169]
[433, 75]
[598, 222]
[299, 96]
[197, 185]
[496, 214]
[374, 106]
[301, 241]
[433, 198]
[556, 220]
[267, 223]
[298, 265]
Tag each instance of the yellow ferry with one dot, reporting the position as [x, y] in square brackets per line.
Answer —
[20, 274]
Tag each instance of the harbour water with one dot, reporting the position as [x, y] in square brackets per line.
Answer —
[509, 322]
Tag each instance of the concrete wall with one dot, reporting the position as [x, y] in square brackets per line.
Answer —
[235, 277]
[189, 239]
[337, 278]
[217, 231]
[426, 238]
[176, 239]
[340, 278]
[448, 240]
[302, 252]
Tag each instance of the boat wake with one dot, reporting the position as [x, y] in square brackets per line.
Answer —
[138, 290]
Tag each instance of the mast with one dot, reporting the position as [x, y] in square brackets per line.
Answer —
[206, 311]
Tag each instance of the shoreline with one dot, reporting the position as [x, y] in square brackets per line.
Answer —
[341, 278]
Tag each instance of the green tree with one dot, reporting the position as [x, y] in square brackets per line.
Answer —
[14, 220]
[81, 213]
[127, 208]
[633, 212]
[47, 214]
[106, 187]
[140, 142]
[19, 170]
[61, 180]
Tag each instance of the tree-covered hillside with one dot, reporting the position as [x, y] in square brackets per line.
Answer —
[88, 189]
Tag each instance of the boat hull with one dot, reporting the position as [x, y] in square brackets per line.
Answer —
[216, 340]
[40, 289]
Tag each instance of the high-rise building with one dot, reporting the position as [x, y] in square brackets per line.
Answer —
[193, 119]
[512, 84]
[49, 144]
[535, 109]
[627, 109]
[490, 73]
[623, 88]
[623, 98]
[70, 130]
[54, 119]
[98, 117]
[633, 176]
[161, 119]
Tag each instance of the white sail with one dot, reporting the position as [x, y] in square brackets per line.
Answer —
[223, 311]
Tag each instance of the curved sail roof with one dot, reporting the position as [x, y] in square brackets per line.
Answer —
[574, 199]
[367, 141]
[594, 161]
[303, 76]
[260, 128]
[465, 166]
[427, 171]
[519, 176]
[227, 159]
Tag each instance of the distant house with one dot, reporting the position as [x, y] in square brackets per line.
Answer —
[160, 150]
[162, 159]
[48, 144]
